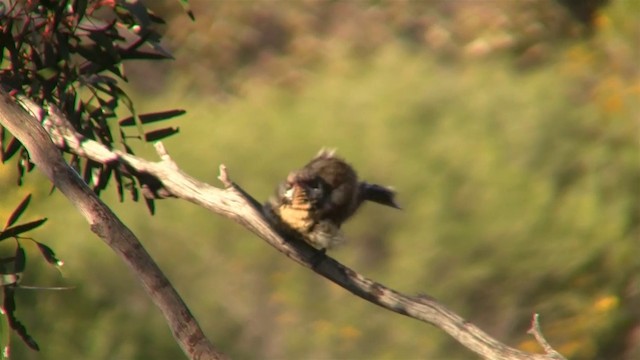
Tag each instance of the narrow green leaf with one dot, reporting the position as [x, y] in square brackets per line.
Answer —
[22, 228]
[15, 215]
[187, 8]
[10, 308]
[20, 260]
[20, 172]
[148, 50]
[133, 190]
[48, 254]
[119, 186]
[151, 205]
[155, 18]
[11, 149]
[129, 104]
[102, 181]
[87, 174]
[9, 302]
[153, 117]
[160, 134]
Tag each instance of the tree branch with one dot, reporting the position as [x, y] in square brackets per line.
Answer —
[537, 333]
[236, 204]
[104, 222]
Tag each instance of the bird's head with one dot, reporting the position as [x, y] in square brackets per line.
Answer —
[300, 188]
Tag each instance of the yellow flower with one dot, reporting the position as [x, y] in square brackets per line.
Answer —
[606, 303]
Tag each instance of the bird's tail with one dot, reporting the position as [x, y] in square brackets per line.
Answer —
[379, 194]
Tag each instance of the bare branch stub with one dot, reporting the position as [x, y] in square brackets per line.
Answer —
[164, 155]
[536, 331]
[224, 176]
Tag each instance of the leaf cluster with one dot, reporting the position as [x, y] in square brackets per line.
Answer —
[12, 268]
[70, 54]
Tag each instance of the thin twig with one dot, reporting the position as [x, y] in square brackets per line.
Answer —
[536, 331]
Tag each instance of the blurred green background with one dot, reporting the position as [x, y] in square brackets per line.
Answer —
[510, 130]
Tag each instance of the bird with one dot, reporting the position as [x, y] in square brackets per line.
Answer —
[314, 201]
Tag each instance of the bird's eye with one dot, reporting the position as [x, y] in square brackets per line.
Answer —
[314, 184]
[315, 189]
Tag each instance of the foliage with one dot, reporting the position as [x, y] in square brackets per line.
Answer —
[12, 269]
[519, 185]
[69, 54]
[243, 40]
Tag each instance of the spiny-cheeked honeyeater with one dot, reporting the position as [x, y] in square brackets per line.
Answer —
[313, 202]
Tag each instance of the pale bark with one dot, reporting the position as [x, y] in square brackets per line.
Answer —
[234, 203]
[108, 227]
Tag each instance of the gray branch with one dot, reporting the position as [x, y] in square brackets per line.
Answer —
[102, 220]
[234, 203]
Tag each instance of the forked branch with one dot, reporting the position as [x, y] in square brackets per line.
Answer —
[235, 203]
[104, 222]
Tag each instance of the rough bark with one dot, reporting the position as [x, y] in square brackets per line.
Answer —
[108, 227]
[234, 203]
